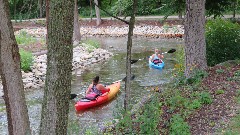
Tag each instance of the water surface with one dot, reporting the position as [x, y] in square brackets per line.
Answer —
[114, 69]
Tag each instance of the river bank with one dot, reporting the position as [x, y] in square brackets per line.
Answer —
[82, 59]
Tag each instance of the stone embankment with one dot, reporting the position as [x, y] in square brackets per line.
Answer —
[82, 59]
[175, 31]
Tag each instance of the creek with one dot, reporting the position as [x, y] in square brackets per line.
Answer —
[146, 79]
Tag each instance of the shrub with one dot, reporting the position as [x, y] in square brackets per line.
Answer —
[150, 118]
[178, 126]
[195, 104]
[222, 41]
[205, 98]
[24, 38]
[26, 60]
[176, 101]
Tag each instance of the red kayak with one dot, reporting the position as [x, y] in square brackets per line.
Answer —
[85, 104]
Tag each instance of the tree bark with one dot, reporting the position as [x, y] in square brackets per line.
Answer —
[76, 32]
[55, 107]
[129, 50]
[195, 44]
[97, 13]
[17, 114]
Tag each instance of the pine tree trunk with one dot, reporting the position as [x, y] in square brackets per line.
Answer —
[17, 114]
[55, 107]
[129, 50]
[195, 44]
[97, 13]
[76, 32]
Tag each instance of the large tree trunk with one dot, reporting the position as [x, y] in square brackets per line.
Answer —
[55, 107]
[129, 50]
[97, 13]
[195, 45]
[17, 114]
[76, 32]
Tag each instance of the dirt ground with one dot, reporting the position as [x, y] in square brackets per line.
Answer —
[214, 117]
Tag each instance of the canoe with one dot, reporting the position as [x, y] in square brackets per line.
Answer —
[85, 104]
[156, 66]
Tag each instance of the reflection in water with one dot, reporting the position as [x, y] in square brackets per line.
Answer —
[110, 71]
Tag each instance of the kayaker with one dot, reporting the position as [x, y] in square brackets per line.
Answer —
[95, 89]
[156, 57]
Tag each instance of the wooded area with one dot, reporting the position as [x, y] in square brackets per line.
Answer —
[62, 23]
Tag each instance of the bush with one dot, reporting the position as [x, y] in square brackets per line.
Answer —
[26, 60]
[178, 126]
[222, 41]
[206, 98]
[24, 39]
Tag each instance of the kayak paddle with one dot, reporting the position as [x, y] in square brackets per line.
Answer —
[170, 51]
[72, 96]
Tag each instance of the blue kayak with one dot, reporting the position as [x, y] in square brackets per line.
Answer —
[157, 66]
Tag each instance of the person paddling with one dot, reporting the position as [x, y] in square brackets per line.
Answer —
[156, 57]
[95, 89]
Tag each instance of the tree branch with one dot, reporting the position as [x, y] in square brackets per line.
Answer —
[110, 13]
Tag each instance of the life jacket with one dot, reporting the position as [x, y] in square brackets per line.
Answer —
[156, 60]
[95, 90]
[94, 93]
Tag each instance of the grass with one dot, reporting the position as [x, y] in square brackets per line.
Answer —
[219, 92]
[24, 39]
[91, 44]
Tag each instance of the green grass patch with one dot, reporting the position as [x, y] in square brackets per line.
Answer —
[219, 92]
[24, 39]
[91, 44]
